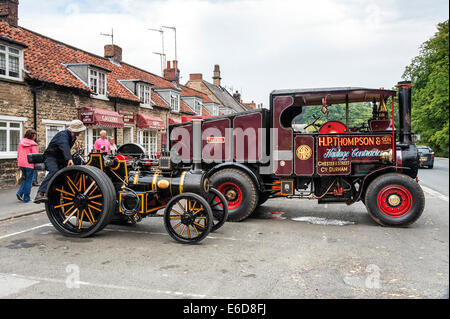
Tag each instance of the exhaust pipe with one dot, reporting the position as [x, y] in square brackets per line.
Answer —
[197, 144]
[404, 112]
[407, 155]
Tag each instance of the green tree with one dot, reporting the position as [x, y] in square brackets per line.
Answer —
[430, 96]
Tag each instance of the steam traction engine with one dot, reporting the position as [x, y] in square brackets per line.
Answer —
[83, 199]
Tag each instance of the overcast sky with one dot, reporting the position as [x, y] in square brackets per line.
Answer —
[259, 45]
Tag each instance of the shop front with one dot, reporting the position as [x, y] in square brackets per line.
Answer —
[149, 128]
[96, 120]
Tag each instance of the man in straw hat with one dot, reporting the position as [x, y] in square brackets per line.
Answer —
[58, 155]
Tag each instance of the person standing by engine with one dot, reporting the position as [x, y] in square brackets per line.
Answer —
[26, 146]
[112, 145]
[102, 143]
[58, 155]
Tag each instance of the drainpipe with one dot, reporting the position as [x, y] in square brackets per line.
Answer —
[34, 90]
[115, 129]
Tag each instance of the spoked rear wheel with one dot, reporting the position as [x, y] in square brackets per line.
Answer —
[188, 218]
[219, 207]
[81, 201]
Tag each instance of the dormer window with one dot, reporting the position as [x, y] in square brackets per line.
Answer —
[198, 108]
[175, 102]
[97, 82]
[144, 93]
[11, 62]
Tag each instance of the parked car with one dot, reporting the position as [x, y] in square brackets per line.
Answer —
[426, 156]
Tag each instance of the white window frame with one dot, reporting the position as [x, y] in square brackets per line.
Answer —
[8, 154]
[175, 102]
[7, 54]
[98, 92]
[60, 127]
[89, 136]
[146, 100]
[152, 148]
[199, 105]
[215, 109]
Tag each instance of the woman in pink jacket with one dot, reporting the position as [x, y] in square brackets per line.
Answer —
[26, 146]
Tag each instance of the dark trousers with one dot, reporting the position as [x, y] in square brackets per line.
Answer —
[25, 187]
[52, 165]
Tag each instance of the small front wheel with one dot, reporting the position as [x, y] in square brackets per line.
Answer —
[188, 218]
[394, 200]
[219, 208]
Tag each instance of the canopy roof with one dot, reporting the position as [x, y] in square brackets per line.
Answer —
[336, 95]
[91, 116]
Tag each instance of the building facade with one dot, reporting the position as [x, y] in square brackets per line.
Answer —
[45, 84]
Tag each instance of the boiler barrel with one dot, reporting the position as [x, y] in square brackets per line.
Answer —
[169, 184]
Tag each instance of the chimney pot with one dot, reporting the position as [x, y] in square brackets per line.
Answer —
[172, 73]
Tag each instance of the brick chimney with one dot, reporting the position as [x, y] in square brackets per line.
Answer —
[113, 51]
[9, 12]
[194, 77]
[216, 77]
[172, 73]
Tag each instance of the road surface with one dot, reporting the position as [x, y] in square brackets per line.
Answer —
[289, 249]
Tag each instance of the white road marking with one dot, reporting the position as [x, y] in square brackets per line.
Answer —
[434, 193]
[10, 284]
[24, 231]
[35, 280]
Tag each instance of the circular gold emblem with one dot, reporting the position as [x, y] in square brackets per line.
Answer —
[394, 200]
[304, 152]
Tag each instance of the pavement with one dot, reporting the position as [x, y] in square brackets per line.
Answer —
[11, 207]
[288, 249]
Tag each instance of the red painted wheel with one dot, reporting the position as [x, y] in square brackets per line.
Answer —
[239, 190]
[395, 201]
[232, 193]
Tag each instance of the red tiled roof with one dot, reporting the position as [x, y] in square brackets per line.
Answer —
[184, 108]
[45, 60]
[186, 91]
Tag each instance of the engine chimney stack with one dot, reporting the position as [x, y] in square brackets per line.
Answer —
[404, 111]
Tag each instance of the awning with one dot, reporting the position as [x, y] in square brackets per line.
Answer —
[99, 117]
[173, 121]
[150, 121]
